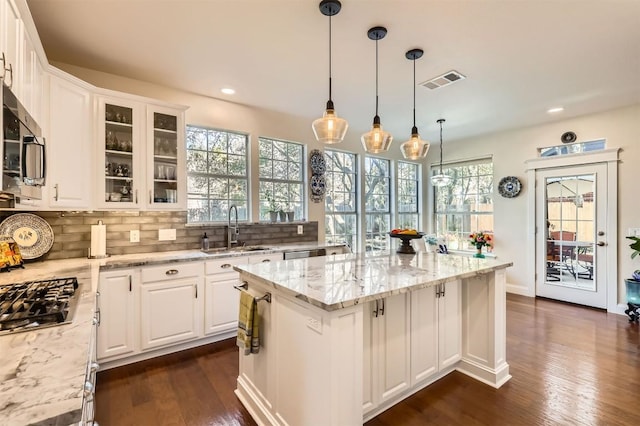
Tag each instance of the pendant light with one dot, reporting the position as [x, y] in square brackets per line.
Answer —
[415, 148]
[330, 128]
[441, 179]
[376, 140]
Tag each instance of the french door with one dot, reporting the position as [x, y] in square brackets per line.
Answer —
[571, 237]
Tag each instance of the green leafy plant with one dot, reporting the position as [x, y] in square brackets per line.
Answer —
[635, 246]
[271, 202]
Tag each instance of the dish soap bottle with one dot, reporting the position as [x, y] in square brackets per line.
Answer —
[205, 242]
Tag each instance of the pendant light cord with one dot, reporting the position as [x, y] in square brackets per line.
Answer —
[441, 147]
[329, 58]
[376, 77]
[414, 95]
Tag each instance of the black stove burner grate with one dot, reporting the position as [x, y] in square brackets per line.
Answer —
[36, 302]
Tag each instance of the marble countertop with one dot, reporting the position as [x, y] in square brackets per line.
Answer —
[339, 281]
[42, 372]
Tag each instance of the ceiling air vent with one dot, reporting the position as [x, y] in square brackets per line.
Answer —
[443, 80]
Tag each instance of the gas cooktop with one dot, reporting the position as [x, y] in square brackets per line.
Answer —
[35, 304]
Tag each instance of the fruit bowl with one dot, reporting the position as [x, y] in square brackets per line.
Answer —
[406, 247]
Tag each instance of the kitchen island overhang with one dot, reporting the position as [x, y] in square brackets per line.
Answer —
[347, 336]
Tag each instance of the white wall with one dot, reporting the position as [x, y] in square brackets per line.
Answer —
[509, 149]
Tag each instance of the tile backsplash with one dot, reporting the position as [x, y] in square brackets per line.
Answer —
[72, 232]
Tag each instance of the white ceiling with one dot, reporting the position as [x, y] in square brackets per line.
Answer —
[520, 57]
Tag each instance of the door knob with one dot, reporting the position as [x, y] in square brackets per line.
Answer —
[601, 243]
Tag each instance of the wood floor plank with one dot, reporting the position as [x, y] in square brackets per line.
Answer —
[570, 365]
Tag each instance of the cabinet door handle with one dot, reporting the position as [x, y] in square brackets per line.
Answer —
[171, 272]
[98, 317]
[225, 265]
[136, 196]
[376, 311]
[55, 197]
[4, 62]
[382, 309]
[444, 289]
[129, 282]
[196, 287]
[150, 198]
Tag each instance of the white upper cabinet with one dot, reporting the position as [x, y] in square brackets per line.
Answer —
[10, 38]
[166, 177]
[69, 143]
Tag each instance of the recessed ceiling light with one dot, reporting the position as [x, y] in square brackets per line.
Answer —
[554, 110]
[228, 91]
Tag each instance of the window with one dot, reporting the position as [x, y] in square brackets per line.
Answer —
[573, 148]
[341, 177]
[377, 196]
[216, 174]
[408, 188]
[281, 177]
[466, 204]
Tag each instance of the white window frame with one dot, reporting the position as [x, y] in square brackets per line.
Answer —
[377, 240]
[400, 223]
[331, 215]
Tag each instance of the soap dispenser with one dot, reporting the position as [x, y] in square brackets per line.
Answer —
[205, 242]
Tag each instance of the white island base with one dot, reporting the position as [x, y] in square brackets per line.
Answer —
[344, 366]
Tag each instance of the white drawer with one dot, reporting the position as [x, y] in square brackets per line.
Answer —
[226, 264]
[171, 271]
[260, 258]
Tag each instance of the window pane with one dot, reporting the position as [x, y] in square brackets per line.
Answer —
[340, 198]
[281, 178]
[465, 205]
[213, 157]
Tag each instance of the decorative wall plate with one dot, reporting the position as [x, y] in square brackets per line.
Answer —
[317, 186]
[509, 186]
[317, 162]
[32, 233]
[568, 137]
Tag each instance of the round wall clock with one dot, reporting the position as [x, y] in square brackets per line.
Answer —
[509, 186]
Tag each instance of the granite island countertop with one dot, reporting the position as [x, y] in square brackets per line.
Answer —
[42, 371]
[339, 281]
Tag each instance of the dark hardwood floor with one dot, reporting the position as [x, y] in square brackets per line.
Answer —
[570, 365]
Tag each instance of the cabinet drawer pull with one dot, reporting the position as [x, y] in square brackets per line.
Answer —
[266, 260]
[10, 69]
[225, 265]
[171, 272]
[55, 197]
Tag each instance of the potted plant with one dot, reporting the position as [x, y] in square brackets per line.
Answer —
[633, 283]
[289, 213]
[272, 207]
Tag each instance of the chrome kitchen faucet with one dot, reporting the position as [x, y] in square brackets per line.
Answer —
[232, 232]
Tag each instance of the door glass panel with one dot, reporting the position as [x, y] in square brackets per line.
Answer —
[119, 172]
[570, 213]
[165, 158]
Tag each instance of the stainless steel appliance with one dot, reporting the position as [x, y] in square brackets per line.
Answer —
[23, 151]
[300, 254]
[36, 304]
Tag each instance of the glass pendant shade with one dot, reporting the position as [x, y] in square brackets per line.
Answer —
[376, 140]
[330, 129]
[415, 148]
[441, 180]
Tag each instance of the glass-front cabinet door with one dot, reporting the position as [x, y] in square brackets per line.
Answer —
[165, 149]
[119, 132]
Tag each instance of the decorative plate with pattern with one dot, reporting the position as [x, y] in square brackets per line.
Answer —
[32, 233]
[317, 162]
[317, 184]
[509, 186]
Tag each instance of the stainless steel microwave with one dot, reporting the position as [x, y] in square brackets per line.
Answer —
[23, 151]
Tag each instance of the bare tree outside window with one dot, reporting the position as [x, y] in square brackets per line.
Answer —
[466, 204]
[377, 196]
[281, 175]
[341, 198]
[408, 200]
[216, 174]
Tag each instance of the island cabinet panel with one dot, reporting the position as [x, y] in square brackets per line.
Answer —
[117, 326]
[424, 334]
[387, 346]
[170, 307]
[449, 325]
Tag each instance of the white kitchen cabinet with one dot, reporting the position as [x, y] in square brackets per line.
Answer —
[117, 326]
[10, 39]
[387, 349]
[171, 304]
[120, 148]
[436, 330]
[166, 174]
[221, 298]
[69, 142]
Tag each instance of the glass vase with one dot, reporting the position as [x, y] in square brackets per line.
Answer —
[479, 252]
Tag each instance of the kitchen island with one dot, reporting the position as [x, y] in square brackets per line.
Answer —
[345, 337]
